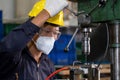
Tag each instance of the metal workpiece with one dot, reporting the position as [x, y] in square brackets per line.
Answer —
[76, 74]
[93, 72]
[75, 71]
[114, 30]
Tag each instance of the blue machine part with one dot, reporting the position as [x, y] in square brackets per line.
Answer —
[1, 26]
[59, 56]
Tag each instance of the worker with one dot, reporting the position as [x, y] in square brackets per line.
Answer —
[23, 52]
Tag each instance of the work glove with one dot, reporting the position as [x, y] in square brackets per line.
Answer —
[55, 6]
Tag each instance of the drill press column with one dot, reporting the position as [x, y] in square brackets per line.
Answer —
[114, 30]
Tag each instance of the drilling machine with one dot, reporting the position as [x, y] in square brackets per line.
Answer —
[99, 11]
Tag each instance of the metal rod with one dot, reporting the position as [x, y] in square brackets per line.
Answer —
[114, 29]
[67, 47]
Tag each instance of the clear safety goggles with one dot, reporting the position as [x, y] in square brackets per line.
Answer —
[55, 33]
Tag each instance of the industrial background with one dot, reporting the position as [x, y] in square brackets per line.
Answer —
[95, 21]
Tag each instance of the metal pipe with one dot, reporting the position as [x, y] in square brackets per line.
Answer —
[114, 30]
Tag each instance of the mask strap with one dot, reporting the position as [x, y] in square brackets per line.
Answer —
[33, 41]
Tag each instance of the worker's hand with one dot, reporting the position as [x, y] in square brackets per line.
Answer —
[54, 6]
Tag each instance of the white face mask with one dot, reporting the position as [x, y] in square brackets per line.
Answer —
[45, 44]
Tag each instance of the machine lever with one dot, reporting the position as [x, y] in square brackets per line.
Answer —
[67, 47]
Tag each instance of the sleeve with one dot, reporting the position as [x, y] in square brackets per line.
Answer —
[12, 45]
[17, 39]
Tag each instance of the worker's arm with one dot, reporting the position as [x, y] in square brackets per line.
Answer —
[40, 19]
[17, 39]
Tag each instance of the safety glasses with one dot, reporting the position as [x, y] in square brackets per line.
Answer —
[47, 31]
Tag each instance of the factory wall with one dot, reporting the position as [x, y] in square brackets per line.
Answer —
[23, 7]
[8, 8]
[15, 10]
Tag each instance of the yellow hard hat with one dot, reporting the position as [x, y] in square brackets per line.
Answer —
[39, 6]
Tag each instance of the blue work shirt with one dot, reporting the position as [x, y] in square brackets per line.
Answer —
[16, 62]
